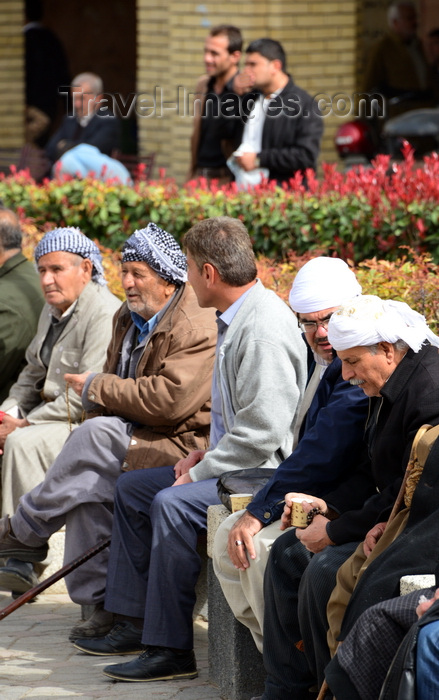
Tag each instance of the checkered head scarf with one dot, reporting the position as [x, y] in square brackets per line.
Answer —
[159, 250]
[71, 240]
[367, 320]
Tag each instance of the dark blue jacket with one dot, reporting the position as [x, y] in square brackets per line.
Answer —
[330, 447]
[102, 131]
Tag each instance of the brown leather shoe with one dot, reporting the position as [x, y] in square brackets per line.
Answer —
[11, 547]
[98, 625]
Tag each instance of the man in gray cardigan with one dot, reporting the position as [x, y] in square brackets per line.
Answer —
[258, 381]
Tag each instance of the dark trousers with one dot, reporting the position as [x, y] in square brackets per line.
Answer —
[315, 589]
[289, 673]
[154, 565]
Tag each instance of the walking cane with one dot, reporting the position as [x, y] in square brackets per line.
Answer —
[40, 587]
[396, 507]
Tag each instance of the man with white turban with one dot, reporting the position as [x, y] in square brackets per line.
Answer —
[328, 440]
[73, 332]
[388, 350]
[149, 408]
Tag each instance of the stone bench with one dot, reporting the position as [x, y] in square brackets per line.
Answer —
[235, 665]
[416, 582]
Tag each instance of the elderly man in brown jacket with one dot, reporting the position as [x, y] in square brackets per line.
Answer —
[150, 407]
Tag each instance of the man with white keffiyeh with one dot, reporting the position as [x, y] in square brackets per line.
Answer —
[149, 408]
[386, 349]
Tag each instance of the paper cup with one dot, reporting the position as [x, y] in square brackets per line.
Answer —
[239, 501]
[298, 515]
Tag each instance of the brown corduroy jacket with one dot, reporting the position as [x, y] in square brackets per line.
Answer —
[170, 395]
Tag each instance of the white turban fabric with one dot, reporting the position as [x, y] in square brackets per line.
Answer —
[159, 250]
[321, 284]
[367, 320]
[71, 240]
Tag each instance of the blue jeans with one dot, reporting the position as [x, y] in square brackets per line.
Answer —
[427, 662]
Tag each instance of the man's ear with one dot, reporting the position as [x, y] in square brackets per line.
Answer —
[210, 274]
[236, 55]
[388, 350]
[87, 266]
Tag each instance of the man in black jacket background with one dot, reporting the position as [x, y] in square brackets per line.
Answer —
[283, 130]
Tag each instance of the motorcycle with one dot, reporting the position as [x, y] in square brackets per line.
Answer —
[359, 141]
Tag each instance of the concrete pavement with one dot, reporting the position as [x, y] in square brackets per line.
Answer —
[38, 662]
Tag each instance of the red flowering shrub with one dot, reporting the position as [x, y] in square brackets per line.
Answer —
[366, 213]
[413, 278]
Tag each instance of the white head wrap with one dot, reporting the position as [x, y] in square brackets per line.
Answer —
[321, 284]
[367, 320]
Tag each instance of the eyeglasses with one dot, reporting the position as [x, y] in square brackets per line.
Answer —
[311, 326]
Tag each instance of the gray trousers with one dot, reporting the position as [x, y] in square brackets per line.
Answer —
[78, 491]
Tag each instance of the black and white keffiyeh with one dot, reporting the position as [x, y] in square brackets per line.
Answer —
[159, 250]
[71, 240]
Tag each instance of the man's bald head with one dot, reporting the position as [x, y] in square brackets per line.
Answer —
[10, 234]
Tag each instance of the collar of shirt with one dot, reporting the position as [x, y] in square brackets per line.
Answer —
[225, 319]
[86, 119]
[146, 327]
[228, 87]
[57, 315]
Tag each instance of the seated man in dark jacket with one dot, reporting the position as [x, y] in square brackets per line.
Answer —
[382, 646]
[89, 123]
[387, 349]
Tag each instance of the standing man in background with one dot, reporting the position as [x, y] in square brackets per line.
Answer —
[214, 136]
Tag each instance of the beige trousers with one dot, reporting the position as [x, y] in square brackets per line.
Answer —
[244, 590]
[350, 573]
[28, 454]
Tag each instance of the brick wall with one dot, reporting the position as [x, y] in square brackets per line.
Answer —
[11, 74]
[319, 36]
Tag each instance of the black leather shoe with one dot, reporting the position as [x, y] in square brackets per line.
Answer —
[156, 664]
[124, 638]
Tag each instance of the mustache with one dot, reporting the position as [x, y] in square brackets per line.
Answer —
[356, 382]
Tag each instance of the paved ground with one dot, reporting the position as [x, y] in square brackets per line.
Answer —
[38, 661]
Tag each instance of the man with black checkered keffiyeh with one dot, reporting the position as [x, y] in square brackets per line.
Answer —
[149, 407]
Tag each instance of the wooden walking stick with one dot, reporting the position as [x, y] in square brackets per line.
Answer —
[40, 587]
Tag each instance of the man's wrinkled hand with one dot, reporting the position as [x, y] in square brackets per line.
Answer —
[286, 515]
[243, 82]
[183, 465]
[247, 161]
[314, 537]
[183, 479]
[8, 425]
[426, 604]
[76, 381]
[372, 537]
[243, 531]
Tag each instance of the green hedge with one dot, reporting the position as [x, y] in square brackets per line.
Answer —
[357, 215]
